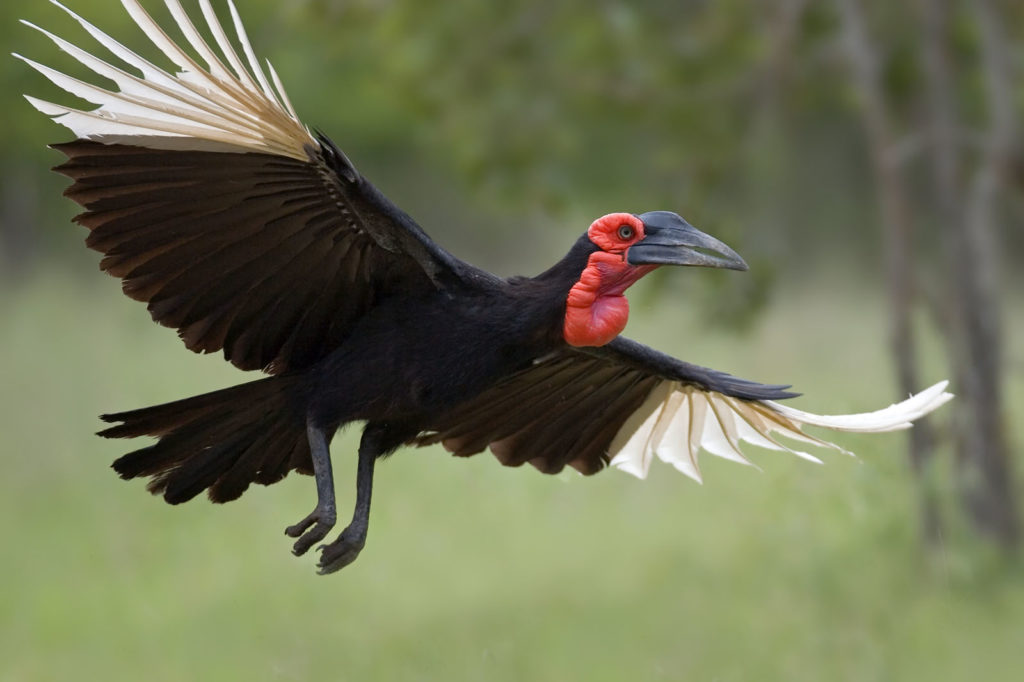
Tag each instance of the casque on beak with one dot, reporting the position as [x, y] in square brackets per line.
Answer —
[670, 240]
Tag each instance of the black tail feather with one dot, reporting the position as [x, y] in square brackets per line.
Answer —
[160, 419]
[260, 461]
[221, 441]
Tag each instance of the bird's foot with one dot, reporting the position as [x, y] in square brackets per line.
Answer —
[324, 520]
[342, 551]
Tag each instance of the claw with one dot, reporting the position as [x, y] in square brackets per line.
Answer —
[341, 552]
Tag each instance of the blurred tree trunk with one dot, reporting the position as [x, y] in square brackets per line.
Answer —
[966, 213]
[897, 223]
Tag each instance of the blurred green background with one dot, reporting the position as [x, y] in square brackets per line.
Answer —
[505, 128]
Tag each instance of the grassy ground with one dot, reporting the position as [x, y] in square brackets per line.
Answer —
[473, 571]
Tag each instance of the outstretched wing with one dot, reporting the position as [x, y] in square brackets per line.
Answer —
[218, 208]
[625, 403]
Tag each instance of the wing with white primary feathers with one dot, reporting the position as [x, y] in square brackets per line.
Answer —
[216, 108]
[217, 207]
[624, 404]
[678, 420]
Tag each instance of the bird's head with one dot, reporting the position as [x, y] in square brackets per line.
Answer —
[625, 248]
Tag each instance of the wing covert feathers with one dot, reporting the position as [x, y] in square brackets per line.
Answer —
[228, 107]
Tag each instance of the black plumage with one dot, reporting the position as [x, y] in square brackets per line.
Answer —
[306, 271]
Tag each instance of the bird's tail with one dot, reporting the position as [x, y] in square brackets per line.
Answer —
[222, 440]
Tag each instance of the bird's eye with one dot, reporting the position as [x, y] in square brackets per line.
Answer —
[626, 232]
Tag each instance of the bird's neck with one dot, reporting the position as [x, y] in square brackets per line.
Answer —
[596, 309]
[588, 287]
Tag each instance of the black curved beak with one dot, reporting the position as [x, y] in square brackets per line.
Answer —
[670, 240]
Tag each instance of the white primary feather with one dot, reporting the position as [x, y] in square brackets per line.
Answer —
[219, 107]
[677, 421]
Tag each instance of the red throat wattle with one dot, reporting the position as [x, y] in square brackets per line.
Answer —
[596, 310]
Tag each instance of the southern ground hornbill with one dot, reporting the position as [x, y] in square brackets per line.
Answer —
[248, 234]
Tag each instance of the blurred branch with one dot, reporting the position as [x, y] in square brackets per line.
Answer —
[897, 239]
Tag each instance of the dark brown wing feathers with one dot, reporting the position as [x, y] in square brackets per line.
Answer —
[567, 409]
[269, 258]
[563, 411]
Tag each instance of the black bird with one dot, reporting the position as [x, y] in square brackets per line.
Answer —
[250, 235]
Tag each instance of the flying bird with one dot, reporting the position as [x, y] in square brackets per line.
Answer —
[253, 236]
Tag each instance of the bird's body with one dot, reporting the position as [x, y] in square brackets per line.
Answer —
[251, 236]
[473, 339]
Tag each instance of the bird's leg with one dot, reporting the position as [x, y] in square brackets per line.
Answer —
[346, 548]
[325, 514]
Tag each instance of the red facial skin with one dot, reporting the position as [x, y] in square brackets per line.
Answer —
[596, 310]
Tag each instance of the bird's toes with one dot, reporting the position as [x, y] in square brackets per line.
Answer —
[340, 553]
[307, 537]
[312, 536]
[299, 528]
